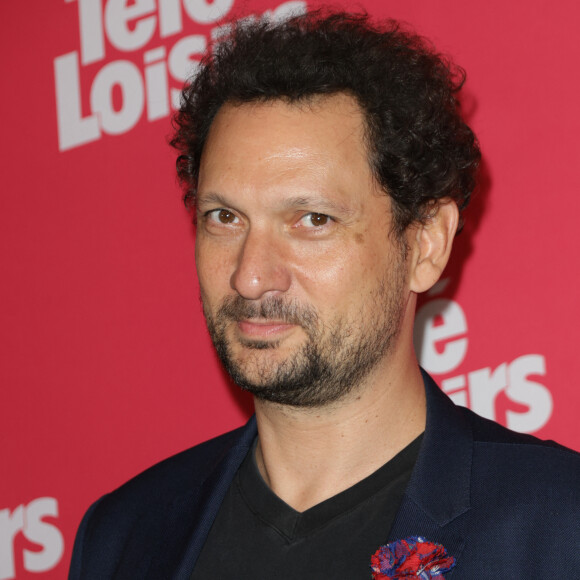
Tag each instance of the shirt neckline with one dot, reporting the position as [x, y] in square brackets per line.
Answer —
[294, 525]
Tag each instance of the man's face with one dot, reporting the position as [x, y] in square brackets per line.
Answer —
[303, 285]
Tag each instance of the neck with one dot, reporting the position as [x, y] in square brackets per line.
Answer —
[309, 455]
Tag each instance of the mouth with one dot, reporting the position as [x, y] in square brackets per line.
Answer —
[263, 328]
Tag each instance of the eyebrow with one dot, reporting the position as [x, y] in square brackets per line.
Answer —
[211, 197]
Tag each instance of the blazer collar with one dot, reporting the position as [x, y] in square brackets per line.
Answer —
[441, 481]
[188, 518]
[437, 498]
[212, 494]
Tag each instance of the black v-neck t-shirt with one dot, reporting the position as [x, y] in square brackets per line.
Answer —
[257, 536]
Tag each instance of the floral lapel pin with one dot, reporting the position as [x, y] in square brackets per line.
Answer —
[413, 557]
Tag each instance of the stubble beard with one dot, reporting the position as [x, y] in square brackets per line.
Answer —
[333, 361]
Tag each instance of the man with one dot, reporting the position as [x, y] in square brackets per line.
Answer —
[327, 164]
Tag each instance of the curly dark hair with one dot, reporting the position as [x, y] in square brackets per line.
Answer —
[420, 148]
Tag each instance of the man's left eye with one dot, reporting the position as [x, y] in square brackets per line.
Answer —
[315, 220]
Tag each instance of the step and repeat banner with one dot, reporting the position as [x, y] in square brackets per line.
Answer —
[106, 366]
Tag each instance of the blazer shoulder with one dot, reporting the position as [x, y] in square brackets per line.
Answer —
[186, 469]
[526, 461]
[161, 501]
[487, 431]
[178, 476]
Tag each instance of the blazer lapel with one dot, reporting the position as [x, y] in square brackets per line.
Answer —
[437, 498]
[167, 546]
[212, 494]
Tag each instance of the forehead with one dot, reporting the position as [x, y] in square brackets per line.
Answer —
[321, 143]
[319, 116]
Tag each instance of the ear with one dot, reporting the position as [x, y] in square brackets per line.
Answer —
[431, 245]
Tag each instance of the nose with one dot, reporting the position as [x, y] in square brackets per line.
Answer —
[261, 267]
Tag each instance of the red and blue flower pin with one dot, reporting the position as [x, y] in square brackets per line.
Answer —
[413, 557]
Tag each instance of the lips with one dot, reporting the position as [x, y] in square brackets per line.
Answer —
[265, 328]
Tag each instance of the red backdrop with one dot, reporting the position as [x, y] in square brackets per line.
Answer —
[106, 365]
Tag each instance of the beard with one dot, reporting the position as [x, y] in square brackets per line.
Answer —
[335, 358]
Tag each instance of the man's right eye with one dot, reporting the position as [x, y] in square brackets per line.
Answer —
[222, 216]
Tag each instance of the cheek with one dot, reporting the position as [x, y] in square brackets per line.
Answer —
[341, 277]
[213, 266]
[333, 273]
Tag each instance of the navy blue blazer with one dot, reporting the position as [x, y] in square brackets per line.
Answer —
[505, 505]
